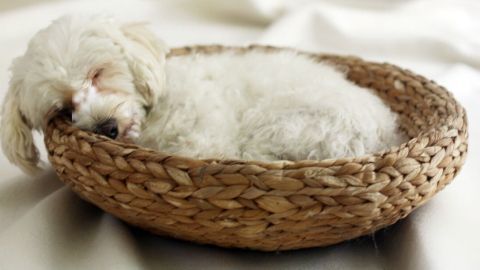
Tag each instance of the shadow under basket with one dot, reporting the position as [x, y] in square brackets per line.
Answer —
[280, 205]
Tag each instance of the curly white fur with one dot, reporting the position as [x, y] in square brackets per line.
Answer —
[266, 106]
[262, 106]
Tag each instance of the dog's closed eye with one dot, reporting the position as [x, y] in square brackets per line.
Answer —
[96, 76]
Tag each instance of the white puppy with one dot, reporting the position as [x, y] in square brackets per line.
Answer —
[261, 106]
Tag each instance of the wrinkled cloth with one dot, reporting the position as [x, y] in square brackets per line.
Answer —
[44, 225]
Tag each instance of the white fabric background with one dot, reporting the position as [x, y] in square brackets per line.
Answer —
[43, 225]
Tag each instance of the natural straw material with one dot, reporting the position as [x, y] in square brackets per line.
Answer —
[279, 205]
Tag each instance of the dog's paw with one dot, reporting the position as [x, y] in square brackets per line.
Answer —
[134, 130]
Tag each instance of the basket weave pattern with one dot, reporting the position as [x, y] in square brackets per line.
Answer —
[279, 205]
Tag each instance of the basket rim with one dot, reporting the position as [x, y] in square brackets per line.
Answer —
[63, 122]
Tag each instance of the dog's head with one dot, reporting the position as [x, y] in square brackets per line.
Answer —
[109, 74]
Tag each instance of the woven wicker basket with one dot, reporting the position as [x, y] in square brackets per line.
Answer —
[279, 205]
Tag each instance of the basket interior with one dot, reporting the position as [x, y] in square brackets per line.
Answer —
[422, 105]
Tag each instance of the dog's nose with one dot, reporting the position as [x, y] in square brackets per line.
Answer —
[108, 128]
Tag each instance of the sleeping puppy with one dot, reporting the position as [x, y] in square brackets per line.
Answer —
[67, 63]
[256, 105]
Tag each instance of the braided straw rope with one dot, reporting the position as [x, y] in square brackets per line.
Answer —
[279, 205]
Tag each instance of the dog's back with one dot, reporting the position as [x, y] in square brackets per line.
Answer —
[265, 106]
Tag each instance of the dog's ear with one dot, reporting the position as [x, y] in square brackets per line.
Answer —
[16, 133]
[146, 55]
